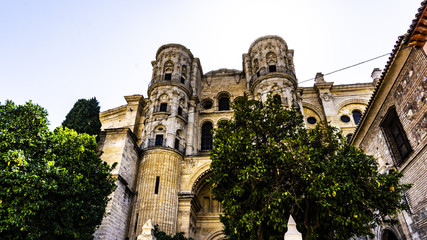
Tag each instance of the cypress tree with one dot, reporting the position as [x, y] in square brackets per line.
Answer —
[84, 117]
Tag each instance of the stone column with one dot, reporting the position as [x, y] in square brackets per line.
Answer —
[171, 128]
[190, 128]
[185, 212]
[323, 88]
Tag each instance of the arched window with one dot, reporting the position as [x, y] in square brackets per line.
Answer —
[159, 139]
[206, 136]
[356, 116]
[224, 103]
[271, 61]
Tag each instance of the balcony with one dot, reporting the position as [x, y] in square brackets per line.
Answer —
[264, 71]
[183, 116]
[162, 143]
[162, 110]
[175, 80]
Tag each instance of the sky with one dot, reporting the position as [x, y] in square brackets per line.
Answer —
[55, 52]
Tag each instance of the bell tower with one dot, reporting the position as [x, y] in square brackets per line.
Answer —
[165, 138]
[269, 67]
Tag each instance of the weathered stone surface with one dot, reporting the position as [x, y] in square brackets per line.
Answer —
[403, 88]
[167, 127]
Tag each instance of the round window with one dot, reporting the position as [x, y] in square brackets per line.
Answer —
[311, 120]
[345, 118]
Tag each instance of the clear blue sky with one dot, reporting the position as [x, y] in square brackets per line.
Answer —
[55, 52]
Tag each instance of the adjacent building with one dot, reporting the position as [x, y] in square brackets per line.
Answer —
[394, 126]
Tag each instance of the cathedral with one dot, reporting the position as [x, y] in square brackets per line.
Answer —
[161, 142]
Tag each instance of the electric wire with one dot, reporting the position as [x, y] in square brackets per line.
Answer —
[341, 69]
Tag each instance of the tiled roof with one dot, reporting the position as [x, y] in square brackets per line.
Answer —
[417, 32]
[414, 37]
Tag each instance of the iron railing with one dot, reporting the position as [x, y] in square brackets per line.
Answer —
[153, 143]
[264, 71]
[158, 109]
[184, 116]
[161, 78]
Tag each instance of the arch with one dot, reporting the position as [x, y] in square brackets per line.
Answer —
[271, 58]
[311, 117]
[351, 112]
[168, 67]
[275, 88]
[255, 65]
[352, 101]
[164, 97]
[218, 235]
[313, 108]
[205, 205]
[199, 176]
[236, 98]
[222, 119]
[160, 128]
[223, 94]
[388, 234]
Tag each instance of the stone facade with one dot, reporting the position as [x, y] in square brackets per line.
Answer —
[162, 142]
[394, 127]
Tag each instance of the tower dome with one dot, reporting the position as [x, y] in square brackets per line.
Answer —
[269, 68]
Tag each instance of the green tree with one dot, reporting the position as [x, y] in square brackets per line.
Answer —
[53, 185]
[266, 166]
[84, 117]
[160, 235]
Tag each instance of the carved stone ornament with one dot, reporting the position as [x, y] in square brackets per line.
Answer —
[326, 96]
[187, 165]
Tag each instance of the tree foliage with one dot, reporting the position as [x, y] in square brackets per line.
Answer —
[266, 166]
[84, 117]
[160, 235]
[53, 185]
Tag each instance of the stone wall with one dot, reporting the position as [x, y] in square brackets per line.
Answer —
[408, 95]
[119, 145]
